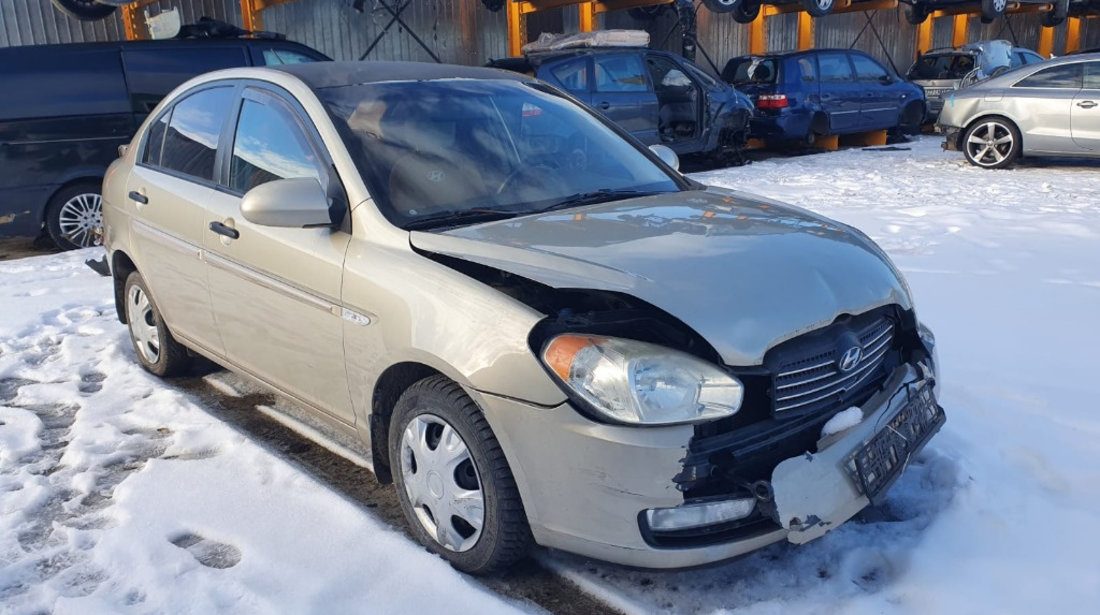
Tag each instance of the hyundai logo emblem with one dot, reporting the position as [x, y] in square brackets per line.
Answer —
[850, 359]
[436, 176]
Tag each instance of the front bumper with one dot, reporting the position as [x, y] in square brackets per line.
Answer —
[586, 485]
[950, 137]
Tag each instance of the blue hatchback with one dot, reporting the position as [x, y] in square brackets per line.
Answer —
[802, 95]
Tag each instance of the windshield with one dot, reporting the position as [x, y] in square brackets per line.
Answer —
[465, 149]
[742, 71]
[945, 66]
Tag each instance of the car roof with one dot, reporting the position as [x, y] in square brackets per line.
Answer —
[318, 75]
[149, 44]
[794, 53]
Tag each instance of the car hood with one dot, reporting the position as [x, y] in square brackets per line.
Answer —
[744, 272]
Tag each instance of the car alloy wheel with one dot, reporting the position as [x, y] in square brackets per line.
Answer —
[818, 8]
[80, 219]
[83, 10]
[442, 482]
[991, 144]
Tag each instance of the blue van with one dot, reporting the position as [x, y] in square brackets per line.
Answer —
[802, 95]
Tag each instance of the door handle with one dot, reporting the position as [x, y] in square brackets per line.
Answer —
[604, 105]
[139, 197]
[222, 229]
[1086, 104]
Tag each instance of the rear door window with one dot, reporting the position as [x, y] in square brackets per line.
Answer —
[806, 69]
[278, 57]
[572, 75]
[269, 145]
[1066, 76]
[1092, 75]
[153, 73]
[154, 143]
[56, 82]
[620, 73]
[834, 67]
[191, 139]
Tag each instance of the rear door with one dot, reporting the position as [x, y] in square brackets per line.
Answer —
[841, 96]
[1085, 120]
[276, 291]
[1044, 103]
[169, 189]
[623, 93]
[878, 107]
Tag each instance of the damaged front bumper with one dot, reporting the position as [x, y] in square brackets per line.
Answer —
[950, 137]
[587, 487]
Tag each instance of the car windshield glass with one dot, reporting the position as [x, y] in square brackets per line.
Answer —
[431, 152]
[744, 71]
[945, 66]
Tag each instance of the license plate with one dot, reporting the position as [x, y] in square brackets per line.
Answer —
[881, 461]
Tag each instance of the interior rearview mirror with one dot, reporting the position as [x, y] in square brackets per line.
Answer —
[666, 155]
[294, 203]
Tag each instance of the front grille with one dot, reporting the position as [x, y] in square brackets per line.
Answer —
[813, 380]
[936, 92]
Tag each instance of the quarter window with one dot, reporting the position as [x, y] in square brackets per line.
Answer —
[191, 141]
[834, 67]
[155, 141]
[620, 74]
[1066, 76]
[269, 145]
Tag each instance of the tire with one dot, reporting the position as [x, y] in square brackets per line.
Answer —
[916, 14]
[911, 118]
[1006, 143]
[157, 351]
[721, 6]
[1055, 17]
[437, 411]
[747, 11]
[83, 10]
[493, 5]
[992, 9]
[73, 214]
[818, 8]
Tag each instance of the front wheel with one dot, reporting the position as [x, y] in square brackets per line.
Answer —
[83, 10]
[158, 352]
[992, 143]
[818, 8]
[456, 489]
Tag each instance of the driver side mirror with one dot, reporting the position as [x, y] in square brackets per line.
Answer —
[886, 79]
[666, 155]
[293, 203]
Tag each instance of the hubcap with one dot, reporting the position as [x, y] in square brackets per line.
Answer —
[143, 324]
[989, 144]
[442, 483]
[80, 216]
[999, 5]
[824, 4]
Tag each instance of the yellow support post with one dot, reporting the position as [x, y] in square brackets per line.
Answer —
[758, 34]
[1073, 34]
[924, 35]
[959, 35]
[250, 15]
[805, 31]
[134, 25]
[517, 29]
[586, 17]
[1046, 42]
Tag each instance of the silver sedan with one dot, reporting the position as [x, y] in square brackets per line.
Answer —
[1046, 109]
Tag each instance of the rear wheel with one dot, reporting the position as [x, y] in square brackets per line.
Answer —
[818, 8]
[991, 143]
[158, 352]
[74, 216]
[453, 481]
[83, 10]
[992, 9]
[916, 14]
[721, 6]
[1055, 17]
[747, 11]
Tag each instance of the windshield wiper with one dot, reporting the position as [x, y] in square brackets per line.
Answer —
[457, 217]
[597, 196]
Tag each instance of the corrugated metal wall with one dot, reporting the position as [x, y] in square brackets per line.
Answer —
[464, 32]
[458, 31]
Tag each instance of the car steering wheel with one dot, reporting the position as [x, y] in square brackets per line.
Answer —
[524, 171]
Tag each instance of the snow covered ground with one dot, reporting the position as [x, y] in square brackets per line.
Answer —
[121, 494]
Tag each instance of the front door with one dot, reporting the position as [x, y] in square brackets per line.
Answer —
[622, 93]
[1085, 113]
[679, 100]
[878, 107]
[276, 290]
[170, 187]
[841, 96]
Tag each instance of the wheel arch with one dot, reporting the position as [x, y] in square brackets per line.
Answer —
[121, 268]
[391, 384]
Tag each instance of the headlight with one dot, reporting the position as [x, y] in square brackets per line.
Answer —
[642, 384]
